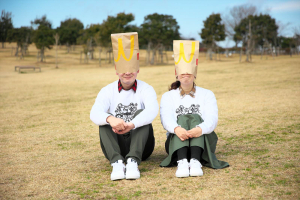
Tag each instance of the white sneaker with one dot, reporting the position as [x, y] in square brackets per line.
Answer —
[132, 170]
[182, 168]
[118, 171]
[195, 168]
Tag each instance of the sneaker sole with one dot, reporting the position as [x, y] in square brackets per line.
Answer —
[132, 176]
[182, 175]
[117, 177]
[196, 174]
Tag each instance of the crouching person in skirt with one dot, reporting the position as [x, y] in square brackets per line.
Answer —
[124, 111]
[190, 115]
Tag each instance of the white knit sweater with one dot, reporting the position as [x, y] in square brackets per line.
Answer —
[204, 103]
[124, 104]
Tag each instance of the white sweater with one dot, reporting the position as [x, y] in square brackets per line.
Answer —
[204, 104]
[124, 104]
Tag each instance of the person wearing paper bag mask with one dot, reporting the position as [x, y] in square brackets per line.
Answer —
[124, 111]
[189, 114]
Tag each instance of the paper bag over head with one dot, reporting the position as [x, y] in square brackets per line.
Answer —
[186, 54]
[126, 52]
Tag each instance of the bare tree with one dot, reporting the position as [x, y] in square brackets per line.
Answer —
[148, 52]
[109, 51]
[282, 27]
[56, 37]
[98, 43]
[236, 14]
[100, 50]
[154, 50]
[241, 51]
[25, 46]
[249, 42]
[296, 31]
[91, 48]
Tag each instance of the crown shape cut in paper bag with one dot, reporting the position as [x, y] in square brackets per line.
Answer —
[186, 54]
[126, 52]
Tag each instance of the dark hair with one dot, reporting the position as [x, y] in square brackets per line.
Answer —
[176, 85]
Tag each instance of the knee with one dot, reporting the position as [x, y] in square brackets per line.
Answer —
[143, 130]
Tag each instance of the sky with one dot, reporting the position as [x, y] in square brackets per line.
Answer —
[189, 14]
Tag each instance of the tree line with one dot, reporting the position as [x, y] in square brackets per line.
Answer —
[251, 32]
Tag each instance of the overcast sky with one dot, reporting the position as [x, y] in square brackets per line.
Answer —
[189, 14]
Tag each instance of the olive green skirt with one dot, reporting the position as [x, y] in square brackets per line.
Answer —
[207, 142]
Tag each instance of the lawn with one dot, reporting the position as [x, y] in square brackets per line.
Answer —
[50, 149]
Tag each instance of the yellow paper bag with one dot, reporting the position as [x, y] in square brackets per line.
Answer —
[126, 52]
[186, 54]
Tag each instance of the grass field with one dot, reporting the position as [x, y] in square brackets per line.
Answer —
[50, 148]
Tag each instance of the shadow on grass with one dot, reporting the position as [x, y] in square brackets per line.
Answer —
[29, 72]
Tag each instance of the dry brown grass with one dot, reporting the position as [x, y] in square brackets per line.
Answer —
[50, 148]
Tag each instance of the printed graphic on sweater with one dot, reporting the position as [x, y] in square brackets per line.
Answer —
[193, 109]
[126, 112]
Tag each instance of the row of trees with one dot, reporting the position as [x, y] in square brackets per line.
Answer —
[156, 32]
[248, 29]
[252, 32]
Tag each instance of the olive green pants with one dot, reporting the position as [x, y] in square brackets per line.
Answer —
[207, 142]
[138, 143]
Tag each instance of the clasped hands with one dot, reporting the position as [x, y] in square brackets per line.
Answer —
[184, 134]
[118, 125]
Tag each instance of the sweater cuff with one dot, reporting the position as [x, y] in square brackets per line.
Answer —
[105, 116]
[204, 129]
[173, 126]
[135, 123]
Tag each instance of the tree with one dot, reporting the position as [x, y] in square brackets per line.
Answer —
[236, 14]
[69, 31]
[5, 26]
[282, 27]
[91, 31]
[297, 38]
[213, 31]
[265, 27]
[42, 21]
[257, 30]
[56, 37]
[118, 24]
[43, 35]
[89, 38]
[287, 44]
[158, 30]
[22, 36]
[112, 24]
